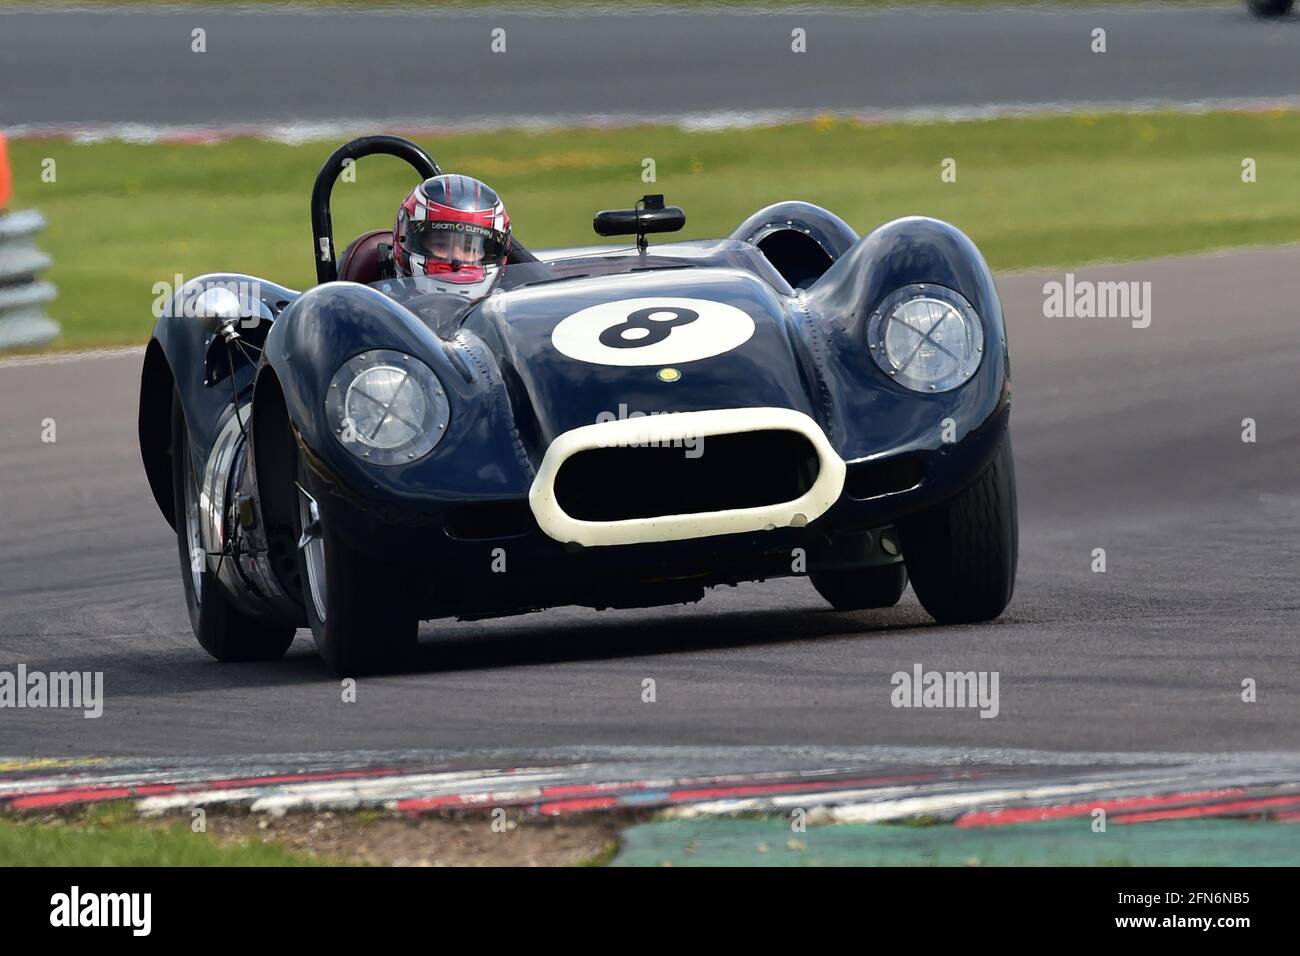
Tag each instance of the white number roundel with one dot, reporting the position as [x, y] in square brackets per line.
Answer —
[656, 330]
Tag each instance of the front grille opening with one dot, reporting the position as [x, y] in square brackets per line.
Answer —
[871, 479]
[495, 519]
[713, 473]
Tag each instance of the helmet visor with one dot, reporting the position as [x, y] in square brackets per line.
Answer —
[457, 244]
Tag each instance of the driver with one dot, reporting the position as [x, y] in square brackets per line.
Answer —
[455, 230]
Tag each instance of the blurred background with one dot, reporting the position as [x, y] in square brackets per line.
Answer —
[161, 139]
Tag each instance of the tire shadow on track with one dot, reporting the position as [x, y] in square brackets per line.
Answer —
[675, 634]
[501, 643]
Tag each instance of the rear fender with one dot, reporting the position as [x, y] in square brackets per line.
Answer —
[177, 361]
[157, 385]
[799, 239]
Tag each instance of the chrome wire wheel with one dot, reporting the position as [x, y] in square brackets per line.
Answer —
[312, 545]
[193, 534]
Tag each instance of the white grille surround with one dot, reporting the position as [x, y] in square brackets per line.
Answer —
[680, 426]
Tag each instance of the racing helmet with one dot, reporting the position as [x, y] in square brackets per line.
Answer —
[455, 230]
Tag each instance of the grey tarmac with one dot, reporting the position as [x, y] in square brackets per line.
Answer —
[1125, 439]
[407, 68]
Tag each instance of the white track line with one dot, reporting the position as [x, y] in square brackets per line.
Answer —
[277, 798]
[296, 132]
[65, 358]
[876, 811]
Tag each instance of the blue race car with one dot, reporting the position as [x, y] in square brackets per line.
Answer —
[612, 426]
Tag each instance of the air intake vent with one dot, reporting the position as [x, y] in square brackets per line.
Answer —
[871, 479]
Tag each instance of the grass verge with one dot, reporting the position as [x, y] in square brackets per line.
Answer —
[115, 835]
[1035, 191]
[109, 837]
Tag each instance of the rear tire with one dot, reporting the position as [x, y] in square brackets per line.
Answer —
[961, 555]
[1268, 9]
[862, 588]
[223, 630]
[368, 623]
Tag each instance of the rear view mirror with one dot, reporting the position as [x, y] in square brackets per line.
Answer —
[649, 216]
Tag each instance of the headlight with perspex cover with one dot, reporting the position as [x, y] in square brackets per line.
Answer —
[926, 337]
[387, 407]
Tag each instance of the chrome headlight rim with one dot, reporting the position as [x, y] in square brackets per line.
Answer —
[344, 395]
[966, 364]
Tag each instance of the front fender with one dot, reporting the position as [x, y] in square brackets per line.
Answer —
[477, 458]
[875, 415]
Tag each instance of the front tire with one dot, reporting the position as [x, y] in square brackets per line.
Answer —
[361, 616]
[961, 555]
[222, 630]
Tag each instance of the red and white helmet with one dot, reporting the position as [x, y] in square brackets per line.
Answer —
[454, 229]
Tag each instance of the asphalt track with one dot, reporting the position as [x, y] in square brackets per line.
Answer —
[429, 68]
[1126, 439]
